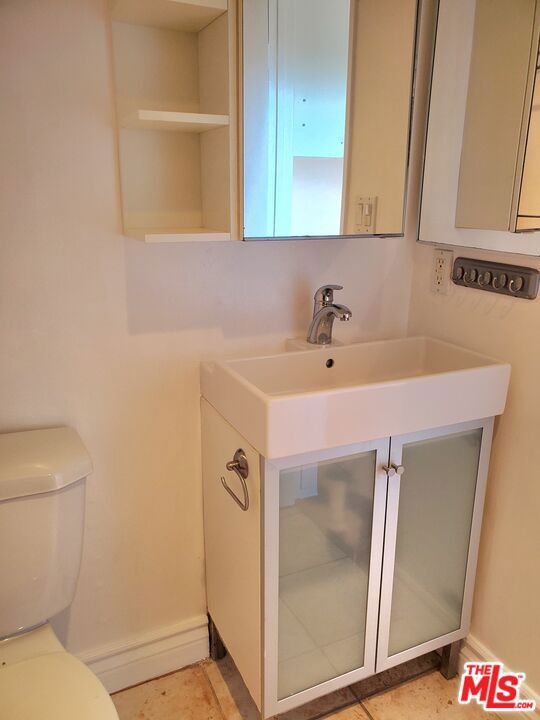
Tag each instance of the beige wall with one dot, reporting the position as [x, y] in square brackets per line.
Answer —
[505, 611]
[380, 110]
[106, 334]
[505, 614]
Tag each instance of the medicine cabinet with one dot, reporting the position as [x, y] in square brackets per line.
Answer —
[262, 119]
[482, 162]
[327, 100]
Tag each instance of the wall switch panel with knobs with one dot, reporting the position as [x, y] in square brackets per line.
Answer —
[501, 278]
[442, 267]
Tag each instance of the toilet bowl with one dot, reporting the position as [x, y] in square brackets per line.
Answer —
[42, 490]
[39, 680]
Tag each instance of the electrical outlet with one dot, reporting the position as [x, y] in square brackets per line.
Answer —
[442, 268]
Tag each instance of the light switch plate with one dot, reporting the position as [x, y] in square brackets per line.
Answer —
[365, 217]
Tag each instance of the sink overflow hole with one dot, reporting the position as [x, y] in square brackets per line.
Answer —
[329, 363]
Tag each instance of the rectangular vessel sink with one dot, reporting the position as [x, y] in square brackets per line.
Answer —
[298, 402]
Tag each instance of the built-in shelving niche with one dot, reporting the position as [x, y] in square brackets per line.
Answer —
[173, 96]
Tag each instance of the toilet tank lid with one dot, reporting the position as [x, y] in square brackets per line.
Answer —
[40, 461]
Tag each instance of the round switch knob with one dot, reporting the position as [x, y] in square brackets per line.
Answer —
[484, 278]
[516, 284]
[499, 281]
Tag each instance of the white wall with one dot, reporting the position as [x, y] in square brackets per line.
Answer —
[106, 334]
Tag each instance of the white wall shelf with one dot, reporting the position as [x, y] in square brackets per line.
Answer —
[175, 80]
[177, 121]
[187, 15]
[180, 235]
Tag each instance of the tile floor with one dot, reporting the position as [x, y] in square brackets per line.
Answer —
[215, 691]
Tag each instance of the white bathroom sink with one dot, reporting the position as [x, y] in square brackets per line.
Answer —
[298, 402]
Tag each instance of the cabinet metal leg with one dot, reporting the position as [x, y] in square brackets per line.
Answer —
[450, 660]
[217, 648]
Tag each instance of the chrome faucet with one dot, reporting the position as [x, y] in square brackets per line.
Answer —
[325, 311]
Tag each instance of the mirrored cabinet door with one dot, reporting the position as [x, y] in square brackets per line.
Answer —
[328, 518]
[528, 215]
[326, 105]
[503, 60]
[433, 510]
[482, 156]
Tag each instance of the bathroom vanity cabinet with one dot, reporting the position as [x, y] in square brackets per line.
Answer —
[346, 561]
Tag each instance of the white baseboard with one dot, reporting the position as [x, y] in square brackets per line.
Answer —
[474, 651]
[129, 662]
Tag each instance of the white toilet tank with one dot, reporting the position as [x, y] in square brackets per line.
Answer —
[42, 484]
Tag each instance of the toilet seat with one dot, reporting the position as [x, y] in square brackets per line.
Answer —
[49, 685]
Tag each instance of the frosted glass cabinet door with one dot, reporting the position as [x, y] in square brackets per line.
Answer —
[324, 533]
[433, 522]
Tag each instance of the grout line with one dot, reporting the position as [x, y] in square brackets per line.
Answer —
[317, 566]
[209, 681]
[364, 708]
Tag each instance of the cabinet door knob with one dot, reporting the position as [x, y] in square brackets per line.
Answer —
[394, 470]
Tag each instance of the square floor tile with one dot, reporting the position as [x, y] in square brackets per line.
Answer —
[236, 703]
[232, 694]
[428, 697]
[184, 695]
[328, 706]
[354, 712]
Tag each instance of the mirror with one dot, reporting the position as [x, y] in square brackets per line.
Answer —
[494, 192]
[327, 88]
[482, 162]
[528, 214]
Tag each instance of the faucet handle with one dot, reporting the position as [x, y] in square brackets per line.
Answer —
[325, 295]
